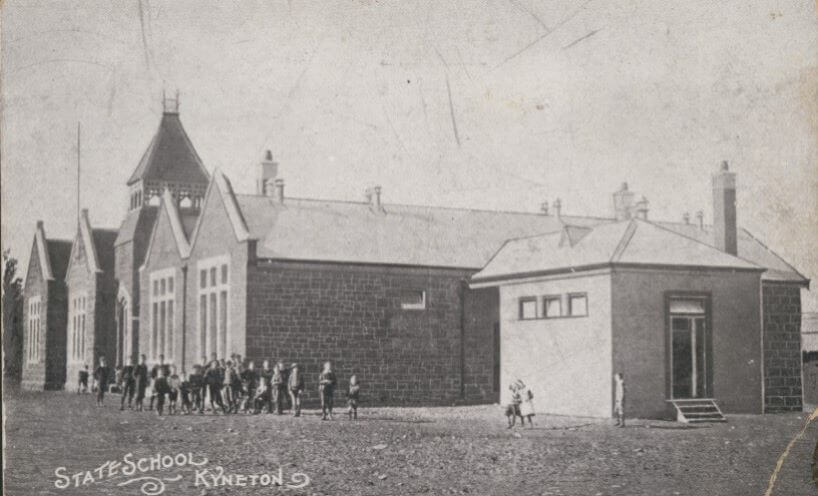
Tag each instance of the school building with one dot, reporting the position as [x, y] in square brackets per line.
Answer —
[427, 305]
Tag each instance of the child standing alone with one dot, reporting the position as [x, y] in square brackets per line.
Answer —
[352, 397]
[326, 387]
[619, 399]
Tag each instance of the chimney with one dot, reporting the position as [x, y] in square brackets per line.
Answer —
[623, 203]
[642, 208]
[686, 218]
[557, 208]
[544, 208]
[373, 196]
[724, 210]
[700, 219]
[278, 193]
[268, 170]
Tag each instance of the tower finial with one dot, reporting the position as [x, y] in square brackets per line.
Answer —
[170, 105]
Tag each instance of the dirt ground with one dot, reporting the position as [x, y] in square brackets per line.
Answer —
[457, 450]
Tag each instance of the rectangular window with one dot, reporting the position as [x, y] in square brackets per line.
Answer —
[203, 326]
[223, 323]
[528, 308]
[155, 288]
[162, 324]
[76, 318]
[413, 300]
[578, 305]
[162, 327]
[214, 306]
[169, 338]
[155, 330]
[552, 307]
[212, 327]
[33, 335]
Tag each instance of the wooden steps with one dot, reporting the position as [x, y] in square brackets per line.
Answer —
[698, 410]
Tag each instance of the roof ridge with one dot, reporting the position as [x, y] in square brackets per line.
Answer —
[438, 207]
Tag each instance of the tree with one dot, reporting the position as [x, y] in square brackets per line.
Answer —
[12, 306]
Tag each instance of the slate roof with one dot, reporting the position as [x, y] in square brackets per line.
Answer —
[59, 254]
[352, 232]
[170, 157]
[631, 242]
[749, 248]
[136, 221]
[104, 245]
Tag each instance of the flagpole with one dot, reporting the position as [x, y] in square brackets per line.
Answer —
[78, 174]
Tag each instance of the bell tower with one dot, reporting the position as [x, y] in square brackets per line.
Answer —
[169, 163]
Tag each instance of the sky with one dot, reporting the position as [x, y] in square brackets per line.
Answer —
[484, 104]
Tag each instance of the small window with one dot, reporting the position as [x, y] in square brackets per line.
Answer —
[203, 279]
[528, 308]
[170, 285]
[552, 307]
[213, 276]
[162, 286]
[156, 288]
[413, 300]
[224, 274]
[578, 305]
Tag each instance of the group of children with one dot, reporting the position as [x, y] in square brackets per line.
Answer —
[522, 402]
[228, 386]
[521, 405]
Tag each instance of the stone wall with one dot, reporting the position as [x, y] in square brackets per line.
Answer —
[782, 347]
[352, 315]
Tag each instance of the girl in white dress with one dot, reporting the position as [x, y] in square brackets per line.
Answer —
[527, 407]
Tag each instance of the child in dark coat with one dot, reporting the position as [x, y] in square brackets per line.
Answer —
[160, 389]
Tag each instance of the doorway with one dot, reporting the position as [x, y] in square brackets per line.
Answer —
[690, 349]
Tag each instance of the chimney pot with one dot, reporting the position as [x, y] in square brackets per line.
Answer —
[39, 224]
[724, 166]
[558, 208]
[279, 190]
[268, 170]
[544, 208]
[686, 218]
[700, 219]
[642, 208]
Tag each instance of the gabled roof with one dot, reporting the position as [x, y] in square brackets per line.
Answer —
[631, 242]
[53, 254]
[170, 157]
[59, 253]
[220, 185]
[98, 245]
[138, 220]
[180, 235]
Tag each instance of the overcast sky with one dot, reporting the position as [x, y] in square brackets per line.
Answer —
[490, 104]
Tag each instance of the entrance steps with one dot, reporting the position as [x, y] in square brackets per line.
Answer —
[697, 410]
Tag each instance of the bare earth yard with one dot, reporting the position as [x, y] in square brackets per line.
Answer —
[457, 450]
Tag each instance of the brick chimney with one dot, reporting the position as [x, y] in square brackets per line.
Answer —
[623, 203]
[268, 170]
[557, 208]
[724, 210]
[700, 219]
